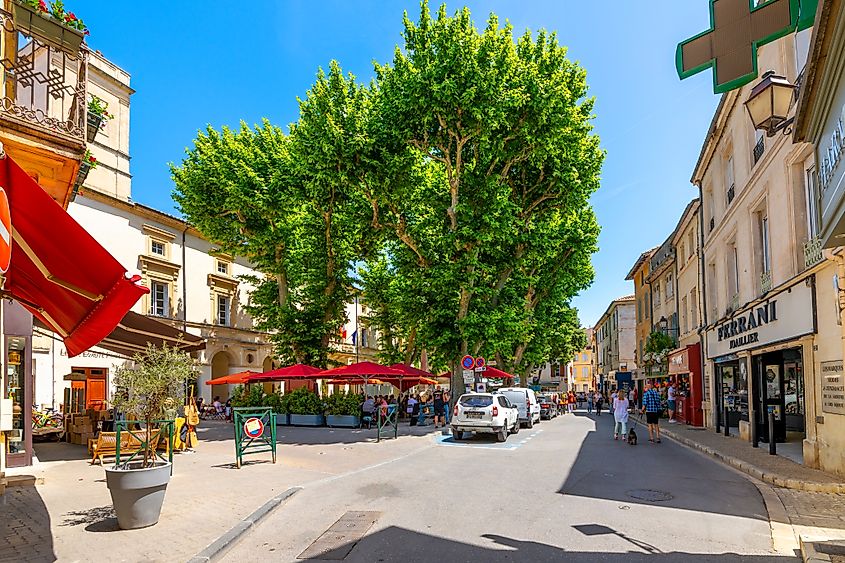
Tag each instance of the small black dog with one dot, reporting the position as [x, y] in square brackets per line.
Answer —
[632, 437]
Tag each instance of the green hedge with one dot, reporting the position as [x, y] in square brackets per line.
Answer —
[343, 404]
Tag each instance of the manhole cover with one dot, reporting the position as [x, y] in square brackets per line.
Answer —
[650, 495]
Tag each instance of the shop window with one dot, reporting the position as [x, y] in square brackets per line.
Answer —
[160, 299]
[16, 389]
[223, 310]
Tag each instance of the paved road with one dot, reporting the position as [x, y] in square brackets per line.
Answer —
[567, 492]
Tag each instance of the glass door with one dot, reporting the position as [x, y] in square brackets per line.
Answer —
[793, 391]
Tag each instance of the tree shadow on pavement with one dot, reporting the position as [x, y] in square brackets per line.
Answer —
[216, 431]
[400, 544]
[665, 475]
[25, 526]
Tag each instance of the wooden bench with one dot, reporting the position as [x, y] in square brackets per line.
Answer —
[106, 444]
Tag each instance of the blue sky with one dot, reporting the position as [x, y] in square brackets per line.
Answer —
[218, 62]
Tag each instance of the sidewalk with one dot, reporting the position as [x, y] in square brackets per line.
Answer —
[69, 517]
[813, 501]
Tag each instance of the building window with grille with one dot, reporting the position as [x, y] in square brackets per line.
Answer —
[223, 310]
[159, 299]
[159, 248]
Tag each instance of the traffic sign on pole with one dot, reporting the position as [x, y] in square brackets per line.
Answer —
[468, 362]
[480, 362]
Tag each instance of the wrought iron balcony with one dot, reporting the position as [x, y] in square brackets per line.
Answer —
[813, 252]
[44, 86]
[759, 149]
[765, 282]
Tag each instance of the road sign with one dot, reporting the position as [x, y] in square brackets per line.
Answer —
[5, 232]
[468, 362]
[480, 362]
[469, 376]
[253, 427]
[492, 363]
[480, 368]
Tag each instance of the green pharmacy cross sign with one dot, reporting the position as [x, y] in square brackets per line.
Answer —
[738, 29]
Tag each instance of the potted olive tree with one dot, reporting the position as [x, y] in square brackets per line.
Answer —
[343, 410]
[147, 390]
[305, 408]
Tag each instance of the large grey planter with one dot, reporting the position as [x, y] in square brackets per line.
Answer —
[282, 419]
[137, 494]
[307, 420]
[343, 421]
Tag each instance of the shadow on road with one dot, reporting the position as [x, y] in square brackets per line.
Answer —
[219, 431]
[400, 544]
[25, 526]
[665, 475]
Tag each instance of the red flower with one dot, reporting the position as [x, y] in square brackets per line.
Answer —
[71, 17]
[42, 5]
[92, 159]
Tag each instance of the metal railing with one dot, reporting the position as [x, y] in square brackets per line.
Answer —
[44, 87]
[813, 252]
[759, 149]
[765, 282]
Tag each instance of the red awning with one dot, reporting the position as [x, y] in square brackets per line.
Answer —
[232, 378]
[296, 371]
[58, 271]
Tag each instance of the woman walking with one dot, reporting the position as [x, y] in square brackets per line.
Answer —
[570, 403]
[589, 402]
[599, 401]
[620, 415]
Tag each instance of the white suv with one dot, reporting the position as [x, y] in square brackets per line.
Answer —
[490, 413]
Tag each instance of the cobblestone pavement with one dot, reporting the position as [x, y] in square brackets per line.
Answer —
[26, 527]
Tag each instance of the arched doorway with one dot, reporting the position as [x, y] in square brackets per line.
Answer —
[220, 363]
[268, 365]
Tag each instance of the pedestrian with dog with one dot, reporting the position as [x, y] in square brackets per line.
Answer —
[620, 416]
[652, 408]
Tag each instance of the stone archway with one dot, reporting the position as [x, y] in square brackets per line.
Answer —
[269, 365]
[220, 363]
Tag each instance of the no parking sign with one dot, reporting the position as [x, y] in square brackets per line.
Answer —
[253, 427]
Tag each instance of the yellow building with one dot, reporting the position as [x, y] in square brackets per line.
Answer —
[581, 368]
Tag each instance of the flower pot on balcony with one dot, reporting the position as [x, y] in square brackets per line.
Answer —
[307, 420]
[94, 123]
[46, 29]
[84, 169]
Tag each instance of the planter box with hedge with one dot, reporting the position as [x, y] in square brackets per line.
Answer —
[305, 408]
[343, 410]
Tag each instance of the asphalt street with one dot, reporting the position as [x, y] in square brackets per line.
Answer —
[563, 491]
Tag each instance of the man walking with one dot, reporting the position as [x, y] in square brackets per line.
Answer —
[652, 409]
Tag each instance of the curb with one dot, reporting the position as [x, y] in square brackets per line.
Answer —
[228, 540]
[753, 470]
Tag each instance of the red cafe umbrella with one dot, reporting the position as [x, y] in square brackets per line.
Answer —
[232, 379]
[367, 370]
[296, 371]
[411, 370]
[494, 373]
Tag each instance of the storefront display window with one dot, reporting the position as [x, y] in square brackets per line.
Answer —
[16, 389]
[734, 380]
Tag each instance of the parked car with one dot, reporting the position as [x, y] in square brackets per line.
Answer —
[526, 401]
[489, 413]
[548, 406]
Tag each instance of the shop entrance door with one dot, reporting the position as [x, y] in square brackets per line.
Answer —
[779, 388]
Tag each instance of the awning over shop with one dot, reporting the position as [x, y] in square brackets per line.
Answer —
[58, 271]
[135, 331]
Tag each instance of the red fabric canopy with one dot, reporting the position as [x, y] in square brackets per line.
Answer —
[233, 378]
[411, 370]
[58, 271]
[296, 371]
[364, 369]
